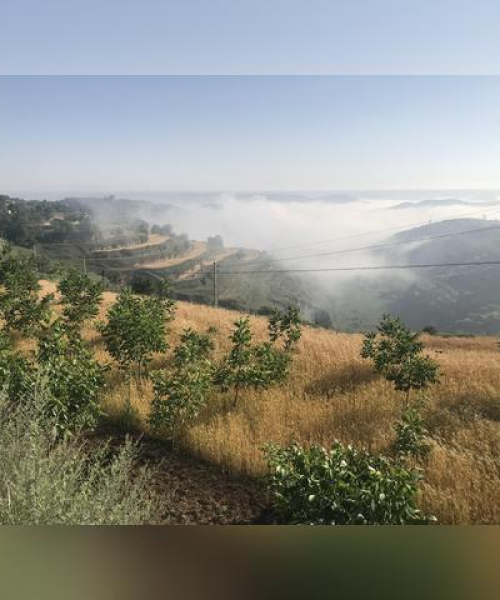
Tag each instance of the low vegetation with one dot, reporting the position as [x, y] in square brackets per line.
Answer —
[49, 481]
[341, 486]
[181, 392]
[343, 429]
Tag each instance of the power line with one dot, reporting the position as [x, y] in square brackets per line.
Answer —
[366, 268]
[379, 246]
[384, 230]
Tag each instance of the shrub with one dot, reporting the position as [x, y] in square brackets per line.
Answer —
[340, 486]
[430, 329]
[285, 325]
[262, 365]
[411, 434]
[20, 306]
[182, 392]
[43, 482]
[80, 298]
[136, 329]
[397, 354]
[17, 374]
[75, 380]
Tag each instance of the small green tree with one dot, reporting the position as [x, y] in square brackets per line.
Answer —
[261, 365]
[136, 329]
[182, 392]
[397, 354]
[17, 374]
[80, 298]
[286, 326]
[341, 486]
[237, 369]
[411, 433]
[74, 379]
[20, 305]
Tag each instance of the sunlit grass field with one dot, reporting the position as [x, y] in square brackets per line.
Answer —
[333, 394]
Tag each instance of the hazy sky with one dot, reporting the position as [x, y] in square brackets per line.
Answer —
[152, 133]
[249, 36]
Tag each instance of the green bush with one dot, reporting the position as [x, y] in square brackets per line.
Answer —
[48, 482]
[80, 298]
[397, 354]
[17, 374]
[75, 380]
[259, 365]
[136, 329]
[182, 392]
[20, 306]
[411, 434]
[430, 330]
[341, 486]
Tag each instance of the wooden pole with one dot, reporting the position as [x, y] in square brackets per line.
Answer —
[216, 300]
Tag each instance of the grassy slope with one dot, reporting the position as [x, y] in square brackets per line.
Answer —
[333, 394]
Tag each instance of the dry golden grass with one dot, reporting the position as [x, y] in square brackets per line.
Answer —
[334, 394]
[197, 249]
[154, 239]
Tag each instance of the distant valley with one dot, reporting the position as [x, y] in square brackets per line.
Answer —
[132, 242]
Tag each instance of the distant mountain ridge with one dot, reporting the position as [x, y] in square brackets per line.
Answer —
[435, 203]
[457, 299]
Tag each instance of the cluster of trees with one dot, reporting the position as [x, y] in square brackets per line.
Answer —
[62, 363]
[340, 485]
[135, 329]
[25, 223]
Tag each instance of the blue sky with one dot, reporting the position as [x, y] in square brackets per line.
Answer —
[249, 36]
[108, 134]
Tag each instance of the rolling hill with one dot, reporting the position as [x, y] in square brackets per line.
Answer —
[456, 299]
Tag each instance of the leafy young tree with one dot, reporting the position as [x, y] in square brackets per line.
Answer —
[341, 486]
[20, 306]
[285, 326]
[74, 379]
[136, 329]
[237, 370]
[80, 298]
[182, 392]
[262, 365]
[411, 434]
[17, 374]
[397, 354]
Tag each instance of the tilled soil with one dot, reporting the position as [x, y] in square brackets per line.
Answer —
[196, 493]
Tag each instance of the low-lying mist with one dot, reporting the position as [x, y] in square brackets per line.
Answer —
[286, 224]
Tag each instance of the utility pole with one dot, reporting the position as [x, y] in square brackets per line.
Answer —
[216, 300]
[85, 265]
[34, 256]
